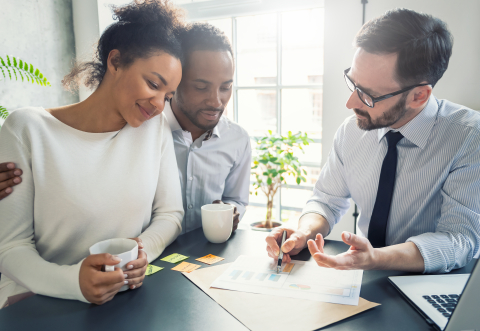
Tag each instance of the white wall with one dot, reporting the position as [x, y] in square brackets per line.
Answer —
[87, 32]
[40, 33]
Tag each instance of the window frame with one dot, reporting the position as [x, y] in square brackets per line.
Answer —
[278, 87]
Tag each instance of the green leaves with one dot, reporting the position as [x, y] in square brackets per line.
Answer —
[21, 69]
[3, 112]
[275, 160]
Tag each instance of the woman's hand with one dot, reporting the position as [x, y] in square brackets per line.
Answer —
[97, 286]
[136, 269]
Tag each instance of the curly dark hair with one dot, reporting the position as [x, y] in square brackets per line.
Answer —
[203, 37]
[142, 28]
[422, 42]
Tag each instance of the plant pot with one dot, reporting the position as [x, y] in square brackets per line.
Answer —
[258, 226]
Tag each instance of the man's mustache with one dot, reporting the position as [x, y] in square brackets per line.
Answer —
[212, 109]
[361, 113]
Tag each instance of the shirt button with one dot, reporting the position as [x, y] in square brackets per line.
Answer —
[190, 206]
[191, 178]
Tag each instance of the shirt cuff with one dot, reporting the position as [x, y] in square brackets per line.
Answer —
[435, 247]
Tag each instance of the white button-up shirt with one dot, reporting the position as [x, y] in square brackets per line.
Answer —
[213, 169]
[436, 198]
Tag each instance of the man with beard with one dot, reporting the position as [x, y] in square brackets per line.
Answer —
[213, 154]
[409, 161]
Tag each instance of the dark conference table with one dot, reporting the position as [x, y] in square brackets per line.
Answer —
[169, 301]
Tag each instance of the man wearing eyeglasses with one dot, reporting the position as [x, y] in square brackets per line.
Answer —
[409, 161]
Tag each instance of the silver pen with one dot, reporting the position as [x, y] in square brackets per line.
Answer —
[280, 254]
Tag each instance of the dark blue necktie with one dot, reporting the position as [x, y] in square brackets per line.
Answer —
[378, 223]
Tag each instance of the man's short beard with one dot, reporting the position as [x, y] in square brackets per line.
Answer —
[389, 117]
[192, 115]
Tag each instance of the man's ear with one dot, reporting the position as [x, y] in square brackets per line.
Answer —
[421, 95]
[113, 61]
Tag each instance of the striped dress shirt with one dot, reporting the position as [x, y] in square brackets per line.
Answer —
[436, 198]
[216, 166]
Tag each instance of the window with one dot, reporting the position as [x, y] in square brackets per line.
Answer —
[279, 86]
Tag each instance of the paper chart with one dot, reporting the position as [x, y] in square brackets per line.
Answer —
[298, 279]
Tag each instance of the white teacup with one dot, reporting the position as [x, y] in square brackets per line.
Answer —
[126, 249]
[217, 222]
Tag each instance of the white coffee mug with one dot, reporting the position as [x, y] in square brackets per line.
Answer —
[217, 222]
[126, 249]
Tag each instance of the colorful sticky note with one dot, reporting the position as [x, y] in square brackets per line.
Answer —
[186, 267]
[174, 258]
[151, 269]
[288, 267]
[210, 259]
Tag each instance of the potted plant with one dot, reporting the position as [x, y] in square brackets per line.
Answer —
[12, 68]
[274, 160]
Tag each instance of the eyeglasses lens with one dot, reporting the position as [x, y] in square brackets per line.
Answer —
[365, 98]
[350, 84]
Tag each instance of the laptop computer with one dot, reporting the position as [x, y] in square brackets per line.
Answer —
[448, 302]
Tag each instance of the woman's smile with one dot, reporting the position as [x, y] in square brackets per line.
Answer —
[145, 112]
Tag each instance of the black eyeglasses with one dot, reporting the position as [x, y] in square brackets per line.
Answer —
[366, 98]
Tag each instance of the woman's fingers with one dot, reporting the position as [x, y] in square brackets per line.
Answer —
[132, 287]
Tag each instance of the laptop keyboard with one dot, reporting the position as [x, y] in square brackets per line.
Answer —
[444, 303]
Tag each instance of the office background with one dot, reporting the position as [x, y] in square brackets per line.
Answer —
[290, 58]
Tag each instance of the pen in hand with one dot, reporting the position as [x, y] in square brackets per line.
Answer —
[280, 253]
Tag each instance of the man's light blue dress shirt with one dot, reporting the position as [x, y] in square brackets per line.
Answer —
[213, 169]
[436, 198]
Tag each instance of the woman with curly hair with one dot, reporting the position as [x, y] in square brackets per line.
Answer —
[99, 169]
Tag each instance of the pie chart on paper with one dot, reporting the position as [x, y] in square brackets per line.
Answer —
[299, 287]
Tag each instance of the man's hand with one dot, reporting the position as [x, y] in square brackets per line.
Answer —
[236, 214]
[9, 176]
[97, 286]
[361, 254]
[295, 242]
[136, 269]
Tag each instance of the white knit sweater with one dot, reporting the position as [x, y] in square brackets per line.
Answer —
[80, 188]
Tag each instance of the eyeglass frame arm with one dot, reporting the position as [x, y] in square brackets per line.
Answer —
[383, 97]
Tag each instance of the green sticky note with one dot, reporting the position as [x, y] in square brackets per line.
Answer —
[174, 258]
[151, 269]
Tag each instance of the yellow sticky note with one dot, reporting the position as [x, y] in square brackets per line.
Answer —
[174, 258]
[288, 267]
[210, 259]
[151, 269]
[186, 267]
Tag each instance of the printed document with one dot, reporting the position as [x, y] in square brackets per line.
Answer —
[298, 279]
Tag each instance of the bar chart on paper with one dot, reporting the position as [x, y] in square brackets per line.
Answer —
[298, 279]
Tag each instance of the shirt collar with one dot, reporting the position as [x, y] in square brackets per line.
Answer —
[216, 130]
[418, 129]
[171, 119]
[175, 126]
